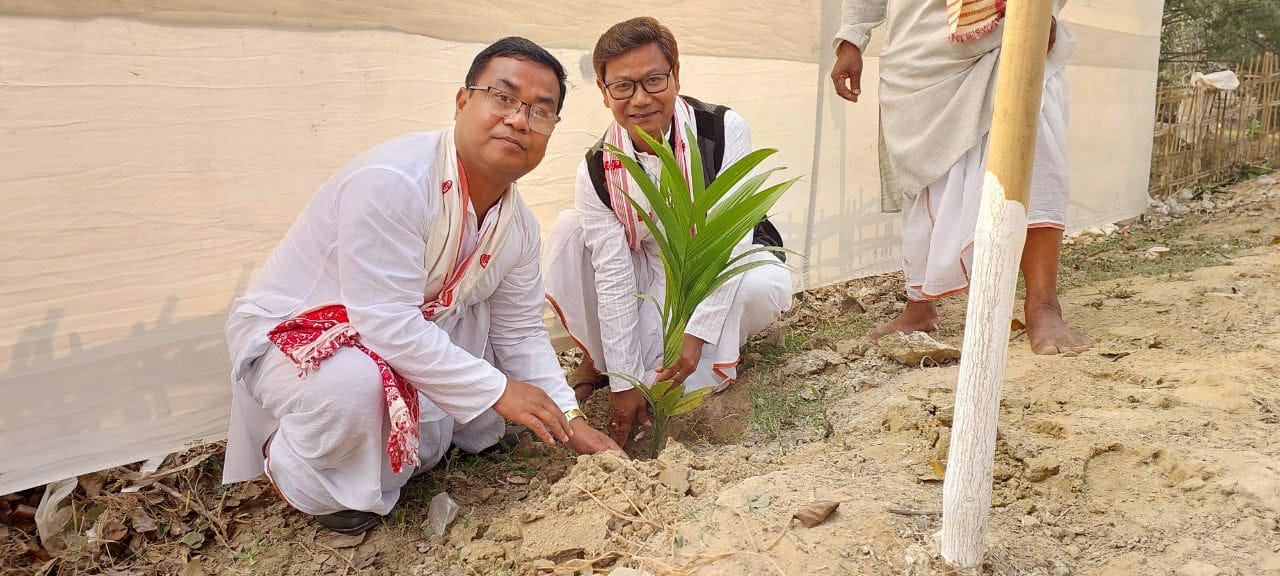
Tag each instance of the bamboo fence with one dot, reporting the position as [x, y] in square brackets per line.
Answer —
[1204, 136]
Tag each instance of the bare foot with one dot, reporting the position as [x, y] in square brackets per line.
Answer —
[1049, 333]
[917, 317]
[586, 379]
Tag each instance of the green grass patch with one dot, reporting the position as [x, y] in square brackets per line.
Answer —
[776, 406]
[1119, 257]
[776, 402]
[854, 326]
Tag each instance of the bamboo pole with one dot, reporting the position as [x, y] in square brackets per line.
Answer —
[1001, 232]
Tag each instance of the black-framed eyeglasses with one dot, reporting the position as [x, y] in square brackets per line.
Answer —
[506, 105]
[654, 84]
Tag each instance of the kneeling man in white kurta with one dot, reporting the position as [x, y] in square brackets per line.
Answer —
[601, 255]
[401, 313]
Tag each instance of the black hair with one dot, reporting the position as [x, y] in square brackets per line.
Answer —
[520, 49]
[626, 36]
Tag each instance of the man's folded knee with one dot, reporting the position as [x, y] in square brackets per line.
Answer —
[349, 381]
[764, 285]
[480, 433]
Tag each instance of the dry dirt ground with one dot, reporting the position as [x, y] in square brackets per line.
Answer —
[1158, 452]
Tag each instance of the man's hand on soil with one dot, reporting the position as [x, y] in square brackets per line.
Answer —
[588, 440]
[529, 405]
[624, 409]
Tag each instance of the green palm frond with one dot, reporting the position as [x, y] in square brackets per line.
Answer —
[696, 228]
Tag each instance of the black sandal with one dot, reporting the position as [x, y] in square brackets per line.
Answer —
[349, 522]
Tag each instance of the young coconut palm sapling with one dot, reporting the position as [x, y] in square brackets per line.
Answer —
[696, 226]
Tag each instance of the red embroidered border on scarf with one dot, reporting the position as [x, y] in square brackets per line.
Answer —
[618, 180]
[310, 338]
[969, 20]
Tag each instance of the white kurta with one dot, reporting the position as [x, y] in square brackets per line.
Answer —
[361, 242]
[935, 95]
[936, 99]
[593, 278]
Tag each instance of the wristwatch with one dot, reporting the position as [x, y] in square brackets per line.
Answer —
[572, 413]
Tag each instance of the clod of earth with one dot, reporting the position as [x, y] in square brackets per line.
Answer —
[675, 477]
[911, 349]
[559, 538]
[812, 362]
[1041, 468]
[1198, 568]
[852, 348]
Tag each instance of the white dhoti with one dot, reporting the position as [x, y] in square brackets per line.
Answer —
[329, 452]
[762, 296]
[937, 239]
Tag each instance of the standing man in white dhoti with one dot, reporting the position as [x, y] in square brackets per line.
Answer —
[402, 311]
[601, 256]
[937, 80]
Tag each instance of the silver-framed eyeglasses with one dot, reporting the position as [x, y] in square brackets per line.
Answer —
[653, 84]
[506, 105]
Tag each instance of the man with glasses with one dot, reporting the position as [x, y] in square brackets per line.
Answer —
[401, 313]
[601, 256]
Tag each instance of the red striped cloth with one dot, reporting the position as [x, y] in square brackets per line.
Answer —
[311, 337]
[972, 19]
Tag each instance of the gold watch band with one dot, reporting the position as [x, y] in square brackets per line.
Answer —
[572, 413]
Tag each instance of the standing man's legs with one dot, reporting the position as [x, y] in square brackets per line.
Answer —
[1047, 331]
[953, 201]
[918, 316]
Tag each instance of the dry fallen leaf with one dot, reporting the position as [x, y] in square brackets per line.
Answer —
[367, 562]
[1113, 356]
[167, 567]
[1016, 325]
[193, 539]
[112, 531]
[1275, 240]
[939, 469]
[92, 484]
[141, 521]
[194, 567]
[816, 513]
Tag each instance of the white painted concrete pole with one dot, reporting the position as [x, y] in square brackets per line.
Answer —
[1002, 230]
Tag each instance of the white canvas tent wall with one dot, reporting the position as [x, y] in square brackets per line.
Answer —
[151, 156]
